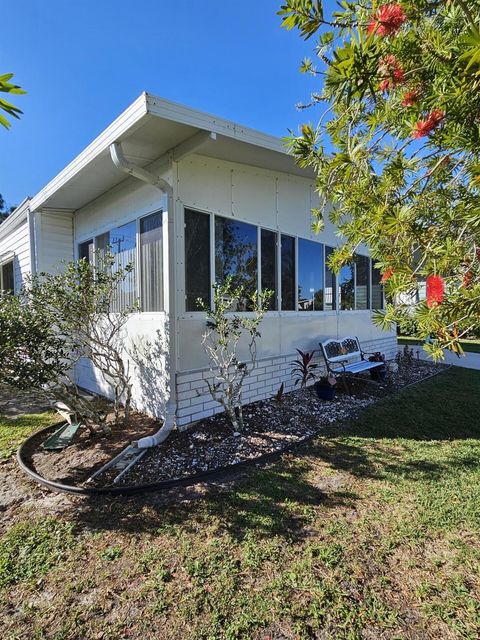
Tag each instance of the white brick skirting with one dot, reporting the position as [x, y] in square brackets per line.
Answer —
[195, 402]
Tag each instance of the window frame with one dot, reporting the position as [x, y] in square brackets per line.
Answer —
[2, 266]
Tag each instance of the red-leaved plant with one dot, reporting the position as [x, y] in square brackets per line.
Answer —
[303, 368]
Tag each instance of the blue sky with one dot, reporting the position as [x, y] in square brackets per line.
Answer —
[84, 61]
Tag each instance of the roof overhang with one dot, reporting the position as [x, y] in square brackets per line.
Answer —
[150, 128]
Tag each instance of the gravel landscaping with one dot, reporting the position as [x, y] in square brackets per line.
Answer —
[270, 427]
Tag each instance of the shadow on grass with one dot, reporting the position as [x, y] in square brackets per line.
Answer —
[397, 438]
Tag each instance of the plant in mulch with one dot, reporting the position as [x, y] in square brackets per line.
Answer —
[303, 368]
[221, 338]
[58, 320]
[279, 395]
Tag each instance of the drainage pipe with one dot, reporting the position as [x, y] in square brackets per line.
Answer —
[119, 160]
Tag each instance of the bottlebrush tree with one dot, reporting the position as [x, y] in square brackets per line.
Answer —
[399, 93]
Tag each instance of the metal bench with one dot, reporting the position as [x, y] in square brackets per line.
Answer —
[339, 353]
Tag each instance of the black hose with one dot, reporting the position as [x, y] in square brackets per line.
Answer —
[26, 467]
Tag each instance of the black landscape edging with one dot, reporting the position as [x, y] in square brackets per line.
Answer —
[174, 482]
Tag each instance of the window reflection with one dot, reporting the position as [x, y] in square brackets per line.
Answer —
[330, 298]
[346, 288]
[362, 290]
[268, 241]
[236, 256]
[197, 259]
[288, 273]
[310, 275]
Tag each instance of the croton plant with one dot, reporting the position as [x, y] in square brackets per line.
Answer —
[398, 121]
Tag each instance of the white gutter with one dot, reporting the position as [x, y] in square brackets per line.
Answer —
[119, 160]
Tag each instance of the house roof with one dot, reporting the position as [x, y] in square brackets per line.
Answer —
[147, 129]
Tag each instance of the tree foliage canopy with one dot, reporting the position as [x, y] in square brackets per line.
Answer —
[397, 149]
[7, 107]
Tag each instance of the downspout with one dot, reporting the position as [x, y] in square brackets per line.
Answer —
[131, 169]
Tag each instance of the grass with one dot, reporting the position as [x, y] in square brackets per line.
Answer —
[371, 531]
[13, 431]
[471, 346]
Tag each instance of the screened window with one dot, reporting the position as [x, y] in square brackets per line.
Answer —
[377, 289]
[330, 298]
[310, 275]
[346, 287]
[236, 256]
[7, 277]
[121, 243]
[268, 242]
[151, 262]
[362, 290]
[85, 251]
[288, 273]
[197, 259]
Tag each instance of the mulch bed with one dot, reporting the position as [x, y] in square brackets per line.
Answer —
[210, 443]
[76, 463]
[269, 427]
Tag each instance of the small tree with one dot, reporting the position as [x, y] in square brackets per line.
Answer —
[55, 322]
[221, 340]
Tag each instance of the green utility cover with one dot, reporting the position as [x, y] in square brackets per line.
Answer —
[62, 437]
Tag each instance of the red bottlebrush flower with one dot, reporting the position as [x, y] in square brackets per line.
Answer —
[387, 275]
[387, 20]
[391, 72]
[425, 127]
[467, 278]
[410, 98]
[435, 291]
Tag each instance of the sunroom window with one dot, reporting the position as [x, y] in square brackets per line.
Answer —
[268, 245]
[346, 287]
[151, 262]
[330, 297]
[310, 275]
[121, 243]
[362, 287]
[288, 273]
[197, 259]
[236, 256]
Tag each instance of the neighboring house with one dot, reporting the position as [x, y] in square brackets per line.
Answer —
[189, 197]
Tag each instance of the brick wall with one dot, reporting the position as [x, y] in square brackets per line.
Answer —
[195, 403]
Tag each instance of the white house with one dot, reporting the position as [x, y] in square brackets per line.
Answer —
[189, 197]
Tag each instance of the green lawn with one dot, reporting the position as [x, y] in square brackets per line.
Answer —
[472, 346]
[14, 431]
[370, 532]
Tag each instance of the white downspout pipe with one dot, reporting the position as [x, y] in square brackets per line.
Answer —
[126, 166]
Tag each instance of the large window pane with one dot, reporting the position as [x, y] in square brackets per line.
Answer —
[121, 243]
[346, 289]
[330, 298]
[288, 273]
[362, 291]
[236, 256]
[151, 262]
[310, 275]
[268, 241]
[85, 251]
[377, 289]
[197, 259]
[7, 278]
